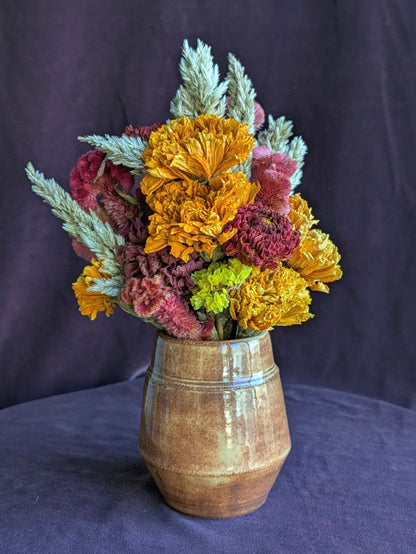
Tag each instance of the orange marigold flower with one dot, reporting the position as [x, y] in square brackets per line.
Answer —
[90, 303]
[301, 214]
[191, 217]
[269, 298]
[198, 149]
[316, 260]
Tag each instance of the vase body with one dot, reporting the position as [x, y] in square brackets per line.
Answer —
[213, 430]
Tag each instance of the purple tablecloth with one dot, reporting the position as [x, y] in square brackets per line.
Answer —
[73, 481]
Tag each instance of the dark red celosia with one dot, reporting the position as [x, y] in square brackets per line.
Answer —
[142, 131]
[264, 238]
[82, 184]
[176, 273]
[94, 176]
[120, 174]
[124, 217]
[273, 172]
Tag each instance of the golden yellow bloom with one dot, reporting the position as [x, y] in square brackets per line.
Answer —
[190, 217]
[301, 214]
[316, 260]
[269, 298]
[90, 303]
[195, 149]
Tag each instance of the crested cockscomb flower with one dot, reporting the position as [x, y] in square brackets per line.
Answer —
[273, 171]
[264, 238]
[176, 274]
[123, 214]
[152, 300]
[83, 185]
[94, 175]
[181, 322]
[145, 295]
[141, 131]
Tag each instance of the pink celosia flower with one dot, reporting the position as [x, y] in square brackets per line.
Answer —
[151, 299]
[264, 238]
[179, 321]
[272, 171]
[142, 131]
[258, 116]
[145, 295]
[93, 175]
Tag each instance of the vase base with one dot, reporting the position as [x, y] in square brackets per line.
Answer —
[213, 512]
[216, 496]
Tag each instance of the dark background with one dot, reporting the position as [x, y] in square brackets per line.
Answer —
[343, 71]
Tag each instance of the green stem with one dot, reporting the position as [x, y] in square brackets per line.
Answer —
[220, 329]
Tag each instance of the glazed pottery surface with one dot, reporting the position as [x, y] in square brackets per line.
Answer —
[214, 431]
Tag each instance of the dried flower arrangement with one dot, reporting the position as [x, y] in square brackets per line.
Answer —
[193, 225]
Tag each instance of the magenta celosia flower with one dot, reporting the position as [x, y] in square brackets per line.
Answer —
[273, 171]
[142, 131]
[179, 321]
[264, 238]
[145, 295]
[151, 299]
[258, 116]
[93, 175]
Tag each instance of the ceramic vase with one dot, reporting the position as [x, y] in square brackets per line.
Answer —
[213, 430]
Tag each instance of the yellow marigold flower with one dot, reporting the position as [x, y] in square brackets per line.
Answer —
[212, 285]
[90, 303]
[198, 149]
[301, 214]
[316, 260]
[269, 298]
[191, 217]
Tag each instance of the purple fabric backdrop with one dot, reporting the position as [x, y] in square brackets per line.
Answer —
[344, 72]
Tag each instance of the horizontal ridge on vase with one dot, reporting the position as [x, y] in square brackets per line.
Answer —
[213, 430]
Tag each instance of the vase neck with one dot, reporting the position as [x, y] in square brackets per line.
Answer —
[213, 363]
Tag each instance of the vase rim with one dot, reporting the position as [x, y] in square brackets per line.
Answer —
[165, 336]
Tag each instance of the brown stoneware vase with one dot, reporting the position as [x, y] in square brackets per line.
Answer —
[214, 430]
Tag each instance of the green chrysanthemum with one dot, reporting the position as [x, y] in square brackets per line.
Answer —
[213, 285]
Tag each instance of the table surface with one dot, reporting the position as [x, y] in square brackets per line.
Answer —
[72, 480]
